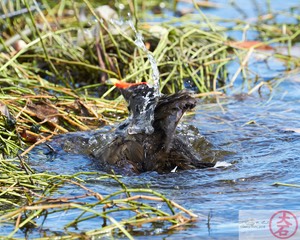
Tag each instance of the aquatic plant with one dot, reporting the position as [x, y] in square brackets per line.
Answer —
[55, 68]
[56, 60]
[28, 198]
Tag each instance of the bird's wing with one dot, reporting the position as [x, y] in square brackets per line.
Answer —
[121, 152]
[169, 111]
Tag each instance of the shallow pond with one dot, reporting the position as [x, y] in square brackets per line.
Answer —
[262, 135]
[264, 141]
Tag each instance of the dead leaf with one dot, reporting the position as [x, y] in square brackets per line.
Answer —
[82, 109]
[250, 44]
[29, 136]
[44, 111]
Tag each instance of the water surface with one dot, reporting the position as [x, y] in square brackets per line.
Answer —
[261, 133]
[263, 137]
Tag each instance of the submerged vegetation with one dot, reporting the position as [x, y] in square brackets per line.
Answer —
[32, 195]
[56, 62]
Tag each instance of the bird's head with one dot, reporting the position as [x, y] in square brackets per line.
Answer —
[142, 101]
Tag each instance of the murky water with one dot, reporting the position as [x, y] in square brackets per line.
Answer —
[261, 133]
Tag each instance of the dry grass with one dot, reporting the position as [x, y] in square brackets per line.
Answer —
[57, 80]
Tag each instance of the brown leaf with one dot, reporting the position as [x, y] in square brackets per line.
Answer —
[29, 136]
[44, 111]
[82, 108]
[250, 44]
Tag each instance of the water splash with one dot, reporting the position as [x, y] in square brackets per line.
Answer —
[142, 105]
[222, 164]
[142, 116]
[146, 116]
[140, 43]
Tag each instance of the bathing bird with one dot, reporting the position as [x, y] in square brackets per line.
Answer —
[147, 140]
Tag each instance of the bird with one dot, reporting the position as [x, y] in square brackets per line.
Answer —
[147, 139]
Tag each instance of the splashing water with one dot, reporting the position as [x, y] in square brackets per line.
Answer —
[140, 43]
[141, 120]
[142, 112]
[146, 116]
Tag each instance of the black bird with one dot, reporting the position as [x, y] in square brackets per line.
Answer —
[147, 141]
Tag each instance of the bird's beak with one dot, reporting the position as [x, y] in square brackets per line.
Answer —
[122, 85]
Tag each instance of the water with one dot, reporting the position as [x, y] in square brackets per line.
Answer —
[146, 113]
[260, 135]
[140, 43]
[263, 139]
[146, 122]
